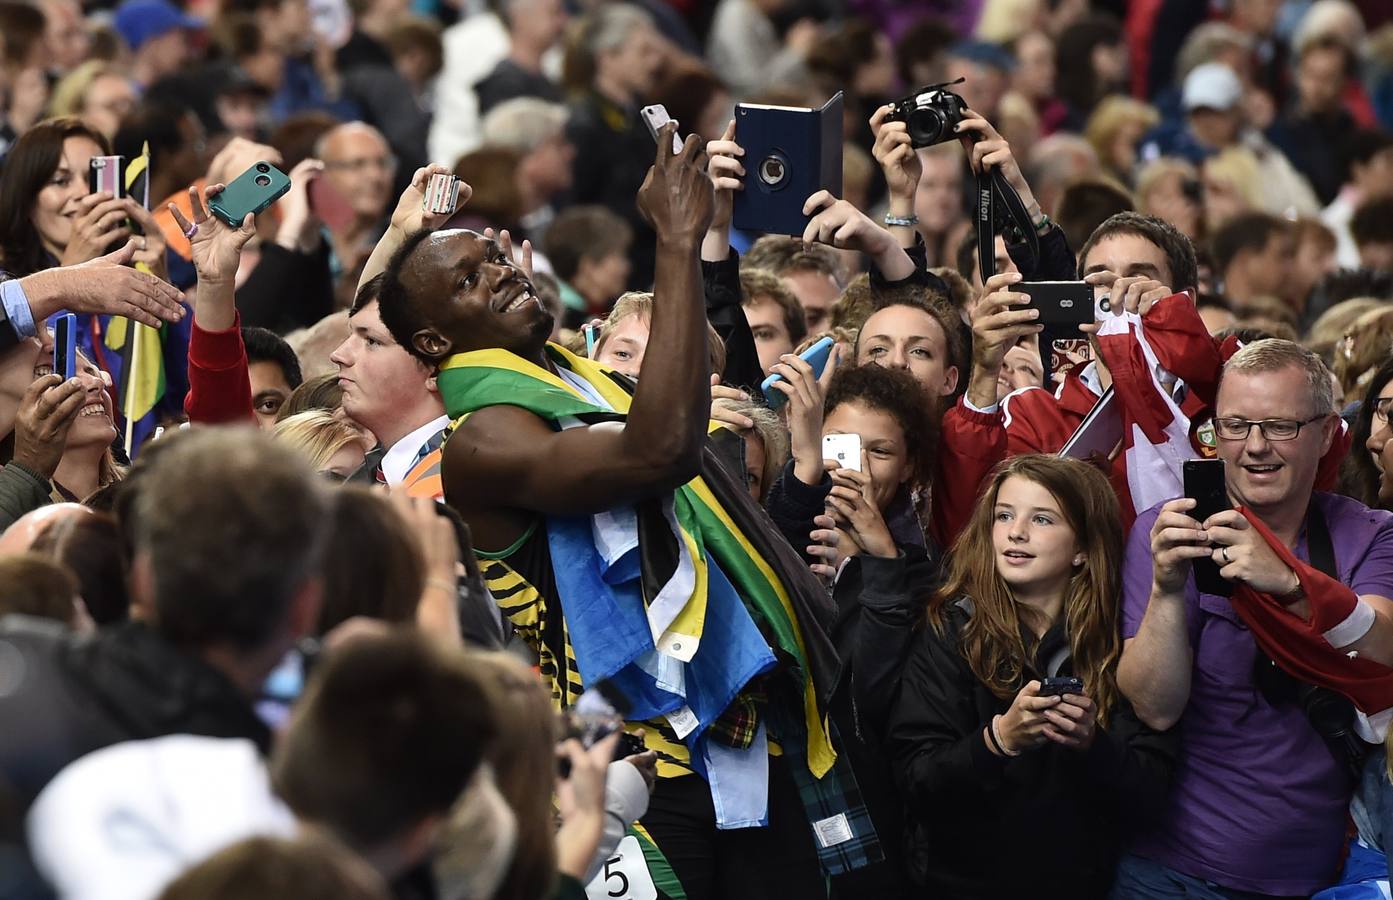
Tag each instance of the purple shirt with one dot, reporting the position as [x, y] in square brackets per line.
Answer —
[1259, 803]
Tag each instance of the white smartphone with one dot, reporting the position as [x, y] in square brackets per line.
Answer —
[844, 449]
[655, 117]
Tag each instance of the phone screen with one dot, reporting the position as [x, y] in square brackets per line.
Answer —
[1204, 483]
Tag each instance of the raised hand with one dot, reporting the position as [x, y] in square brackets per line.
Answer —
[100, 222]
[990, 150]
[217, 248]
[300, 227]
[838, 223]
[723, 165]
[996, 328]
[47, 411]
[410, 214]
[1133, 294]
[676, 198]
[897, 157]
[806, 393]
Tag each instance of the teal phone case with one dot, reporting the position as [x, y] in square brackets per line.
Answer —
[251, 192]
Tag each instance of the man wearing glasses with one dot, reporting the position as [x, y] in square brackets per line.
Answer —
[359, 167]
[1262, 782]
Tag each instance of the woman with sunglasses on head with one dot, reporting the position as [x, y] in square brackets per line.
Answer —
[1020, 783]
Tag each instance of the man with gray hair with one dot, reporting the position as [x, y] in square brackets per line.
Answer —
[535, 129]
[1299, 605]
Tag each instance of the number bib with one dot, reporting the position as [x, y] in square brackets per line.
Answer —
[625, 875]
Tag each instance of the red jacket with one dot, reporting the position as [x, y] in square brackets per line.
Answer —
[1035, 421]
[220, 389]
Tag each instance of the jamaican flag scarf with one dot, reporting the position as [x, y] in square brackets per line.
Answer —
[718, 536]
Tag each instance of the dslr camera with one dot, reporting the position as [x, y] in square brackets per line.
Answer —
[931, 113]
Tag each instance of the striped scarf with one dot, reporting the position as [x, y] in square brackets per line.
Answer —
[715, 534]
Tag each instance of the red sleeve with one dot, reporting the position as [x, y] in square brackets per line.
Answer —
[1300, 647]
[1034, 423]
[219, 387]
[971, 446]
[1183, 346]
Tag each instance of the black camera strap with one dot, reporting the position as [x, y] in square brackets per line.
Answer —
[1330, 712]
[994, 193]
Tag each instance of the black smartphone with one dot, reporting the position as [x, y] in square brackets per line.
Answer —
[1205, 484]
[65, 346]
[1058, 687]
[1068, 303]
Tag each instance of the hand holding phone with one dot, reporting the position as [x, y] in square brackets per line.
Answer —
[65, 346]
[250, 193]
[1206, 485]
[815, 356]
[1059, 686]
[843, 449]
[655, 117]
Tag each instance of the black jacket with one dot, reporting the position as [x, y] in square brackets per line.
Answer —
[83, 693]
[287, 289]
[879, 601]
[726, 313]
[1049, 823]
[614, 152]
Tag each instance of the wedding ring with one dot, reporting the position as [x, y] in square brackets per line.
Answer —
[1224, 552]
[191, 230]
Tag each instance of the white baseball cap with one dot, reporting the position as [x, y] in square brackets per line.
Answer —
[1211, 86]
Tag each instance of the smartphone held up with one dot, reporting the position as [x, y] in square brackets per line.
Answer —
[251, 192]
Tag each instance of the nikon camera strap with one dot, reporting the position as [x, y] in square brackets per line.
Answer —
[993, 191]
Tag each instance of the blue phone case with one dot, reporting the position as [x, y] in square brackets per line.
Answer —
[251, 192]
[815, 356]
[65, 346]
[804, 145]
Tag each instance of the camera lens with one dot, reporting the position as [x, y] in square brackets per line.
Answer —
[262, 167]
[772, 170]
[263, 181]
[926, 127]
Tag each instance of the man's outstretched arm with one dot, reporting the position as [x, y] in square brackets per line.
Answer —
[505, 456]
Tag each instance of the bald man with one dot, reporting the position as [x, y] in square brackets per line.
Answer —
[360, 166]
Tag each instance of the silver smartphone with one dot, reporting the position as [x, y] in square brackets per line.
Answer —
[655, 117]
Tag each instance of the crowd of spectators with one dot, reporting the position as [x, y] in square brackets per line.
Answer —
[373, 550]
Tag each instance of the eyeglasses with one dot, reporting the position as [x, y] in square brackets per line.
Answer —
[1381, 410]
[1234, 429]
[385, 163]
